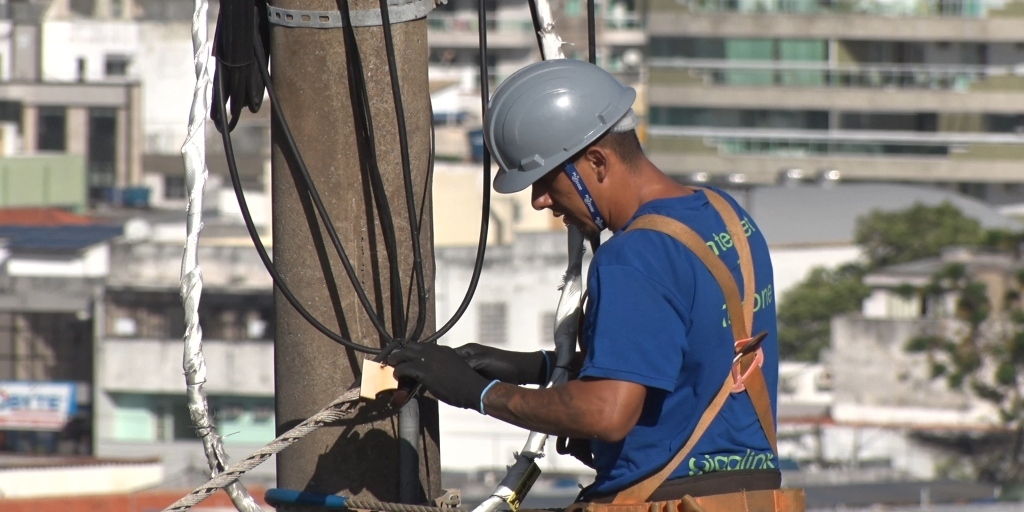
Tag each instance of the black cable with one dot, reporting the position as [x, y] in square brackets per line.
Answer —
[292, 147]
[367, 149]
[410, 196]
[485, 214]
[279, 282]
[591, 33]
[260, 51]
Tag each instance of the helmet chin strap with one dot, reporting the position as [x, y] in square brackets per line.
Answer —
[588, 200]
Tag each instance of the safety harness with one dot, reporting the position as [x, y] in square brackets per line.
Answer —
[745, 375]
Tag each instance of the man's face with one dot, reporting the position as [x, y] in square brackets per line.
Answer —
[556, 192]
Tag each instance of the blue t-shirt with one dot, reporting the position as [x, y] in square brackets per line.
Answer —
[657, 317]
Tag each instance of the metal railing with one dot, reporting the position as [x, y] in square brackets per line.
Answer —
[820, 74]
[835, 142]
[461, 23]
[895, 8]
[454, 23]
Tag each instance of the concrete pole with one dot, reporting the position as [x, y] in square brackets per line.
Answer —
[309, 70]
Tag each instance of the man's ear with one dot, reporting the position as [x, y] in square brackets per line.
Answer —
[598, 158]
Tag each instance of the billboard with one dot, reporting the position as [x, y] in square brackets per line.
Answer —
[36, 405]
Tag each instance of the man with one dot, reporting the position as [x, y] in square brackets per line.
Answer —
[658, 338]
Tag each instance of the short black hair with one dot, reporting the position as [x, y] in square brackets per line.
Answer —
[626, 146]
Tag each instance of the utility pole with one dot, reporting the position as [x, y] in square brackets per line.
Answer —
[309, 72]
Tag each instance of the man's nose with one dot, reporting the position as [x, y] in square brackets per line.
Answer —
[540, 199]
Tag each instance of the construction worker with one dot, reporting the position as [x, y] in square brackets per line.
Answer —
[657, 377]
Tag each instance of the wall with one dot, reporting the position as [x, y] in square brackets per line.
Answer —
[791, 264]
[78, 480]
[43, 180]
[235, 367]
[94, 261]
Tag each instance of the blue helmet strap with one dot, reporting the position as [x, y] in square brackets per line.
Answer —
[581, 189]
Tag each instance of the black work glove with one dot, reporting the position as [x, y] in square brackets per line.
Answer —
[442, 372]
[506, 365]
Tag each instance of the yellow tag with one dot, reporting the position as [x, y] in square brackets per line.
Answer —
[523, 487]
[377, 377]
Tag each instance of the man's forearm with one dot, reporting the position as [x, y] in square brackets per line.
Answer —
[569, 409]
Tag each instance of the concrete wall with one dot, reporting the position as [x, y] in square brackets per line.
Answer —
[79, 480]
[158, 265]
[66, 41]
[792, 264]
[94, 261]
[154, 366]
[43, 180]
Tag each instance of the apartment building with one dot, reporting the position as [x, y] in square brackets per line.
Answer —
[511, 42]
[94, 117]
[751, 91]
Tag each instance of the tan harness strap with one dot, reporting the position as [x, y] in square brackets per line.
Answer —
[755, 384]
[688, 237]
[738, 235]
[741, 318]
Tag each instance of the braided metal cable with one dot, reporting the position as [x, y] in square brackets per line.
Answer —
[382, 506]
[341, 407]
[193, 153]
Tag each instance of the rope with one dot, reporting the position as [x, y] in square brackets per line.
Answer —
[193, 152]
[396, 507]
[340, 408]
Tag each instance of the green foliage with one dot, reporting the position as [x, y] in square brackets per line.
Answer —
[806, 310]
[918, 232]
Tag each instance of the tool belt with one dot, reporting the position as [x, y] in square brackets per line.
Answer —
[777, 500]
[745, 376]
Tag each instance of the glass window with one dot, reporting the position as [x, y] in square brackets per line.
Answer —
[116, 65]
[547, 328]
[52, 129]
[492, 323]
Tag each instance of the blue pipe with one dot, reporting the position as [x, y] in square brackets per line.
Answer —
[275, 497]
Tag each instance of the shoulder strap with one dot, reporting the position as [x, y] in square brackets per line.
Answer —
[739, 314]
[755, 384]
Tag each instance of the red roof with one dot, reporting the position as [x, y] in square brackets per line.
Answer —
[41, 217]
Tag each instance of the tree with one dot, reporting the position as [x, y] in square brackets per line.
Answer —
[921, 231]
[887, 237]
[806, 310]
[981, 352]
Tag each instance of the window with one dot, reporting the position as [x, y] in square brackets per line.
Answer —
[52, 129]
[174, 187]
[547, 328]
[116, 65]
[82, 7]
[492, 324]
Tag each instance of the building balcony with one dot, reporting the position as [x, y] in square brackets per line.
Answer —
[897, 8]
[155, 366]
[920, 20]
[814, 85]
[462, 31]
[763, 155]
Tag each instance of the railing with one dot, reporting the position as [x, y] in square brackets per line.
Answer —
[895, 8]
[451, 23]
[835, 142]
[820, 74]
[457, 23]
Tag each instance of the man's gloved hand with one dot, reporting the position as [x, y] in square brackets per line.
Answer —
[505, 365]
[441, 371]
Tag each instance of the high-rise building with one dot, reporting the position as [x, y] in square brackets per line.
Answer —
[758, 91]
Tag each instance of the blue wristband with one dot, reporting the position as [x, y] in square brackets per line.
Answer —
[547, 366]
[484, 392]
